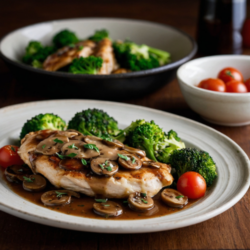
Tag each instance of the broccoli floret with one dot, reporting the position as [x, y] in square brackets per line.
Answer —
[99, 35]
[150, 137]
[139, 57]
[191, 159]
[41, 122]
[64, 38]
[36, 54]
[94, 122]
[86, 65]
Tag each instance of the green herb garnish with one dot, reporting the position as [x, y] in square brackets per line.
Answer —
[106, 205]
[101, 166]
[43, 146]
[60, 156]
[133, 160]
[58, 141]
[143, 194]
[73, 146]
[179, 196]
[80, 47]
[124, 157]
[59, 194]
[28, 179]
[108, 168]
[144, 201]
[84, 162]
[92, 146]
[100, 200]
[72, 155]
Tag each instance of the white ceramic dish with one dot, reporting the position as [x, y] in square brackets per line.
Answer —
[233, 168]
[230, 109]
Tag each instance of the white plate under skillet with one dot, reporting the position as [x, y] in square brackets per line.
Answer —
[231, 185]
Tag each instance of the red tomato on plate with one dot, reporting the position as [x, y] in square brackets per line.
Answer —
[192, 184]
[236, 87]
[9, 156]
[229, 74]
[213, 85]
[246, 33]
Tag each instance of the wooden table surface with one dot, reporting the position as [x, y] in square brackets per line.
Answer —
[230, 230]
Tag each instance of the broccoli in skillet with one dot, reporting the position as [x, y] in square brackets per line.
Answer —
[99, 35]
[64, 38]
[150, 137]
[94, 122]
[36, 54]
[139, 57]
[191, 159]
[87, 65]
[41, 122]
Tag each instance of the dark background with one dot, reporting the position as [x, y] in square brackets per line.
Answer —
[229, 230]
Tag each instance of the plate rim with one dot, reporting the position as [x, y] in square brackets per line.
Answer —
[109, 229]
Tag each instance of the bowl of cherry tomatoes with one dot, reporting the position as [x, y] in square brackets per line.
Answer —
[218, 88]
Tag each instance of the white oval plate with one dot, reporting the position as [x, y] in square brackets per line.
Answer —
[231, 185]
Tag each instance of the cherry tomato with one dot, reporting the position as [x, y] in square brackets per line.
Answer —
[192, 184]
[213, 84]
[9, 156]
[236, 87]
[247, 83]
[229, 74]
[246, 33]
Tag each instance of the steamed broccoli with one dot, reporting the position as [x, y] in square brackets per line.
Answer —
[99, 35]
[191, 159]
[86, 65]
[139, 57]
[64, 38]
[41, 122]
[36, 54]
[94, 122]
[150, 137]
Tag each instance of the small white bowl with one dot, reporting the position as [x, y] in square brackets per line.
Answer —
[230, 109]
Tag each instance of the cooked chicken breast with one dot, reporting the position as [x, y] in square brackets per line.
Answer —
[104, 50]
[67, 54]
[148, 180]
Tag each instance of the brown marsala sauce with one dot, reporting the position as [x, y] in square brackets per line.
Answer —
[84, 206]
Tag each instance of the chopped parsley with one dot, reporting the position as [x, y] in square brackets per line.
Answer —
[84, 162]
[92, 146]
[100, 200]
[108, 168]
[43, 146]
[60, 156]
[59, 194]
[101, 166]
[144, 201]
[133, 160]
[58, 141]
[72, 155]
[80, 47]
[28, 179]
[73, 146]
[106, 205]
[143, 194]
[124, 157]
[179, 196]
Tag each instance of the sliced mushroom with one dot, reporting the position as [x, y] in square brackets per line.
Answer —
[153, 164]
[140, 202]
[173, 198]
[44, 134]
[114, 144]
[78, 149]
[58, 197]
[51, 145]
[92, 139]
[34, 183]
[107, 209]
[15, 173]
[71, 164]
[104, 166]
[129, 161]
[139, 152]
[69, 134]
